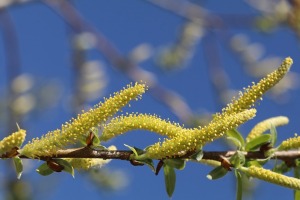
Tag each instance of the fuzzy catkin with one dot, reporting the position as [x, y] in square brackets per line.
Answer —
[273, 177]
[77, 129]
[265, 125]
[192, 139]
[123, 124]
[14, 140]
[251, 94]
[291, 143]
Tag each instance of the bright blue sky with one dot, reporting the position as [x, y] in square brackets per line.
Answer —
[45, 53]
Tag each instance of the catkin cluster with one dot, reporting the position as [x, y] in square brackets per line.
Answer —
[77, 129]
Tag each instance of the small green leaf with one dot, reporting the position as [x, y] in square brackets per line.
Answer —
[96, 140]
[170, 179]
[175, 163]
[19, 166]
[198, 155]
[44, 170]
[237, 135]
[235, 142]
[149, 163]
[132, 149]
[281, 168]
[67, 166]
[238, 159]
[95, 130]
[257, 142]
[297, 175]
[239, 185]
[217, 173]
[273, 132]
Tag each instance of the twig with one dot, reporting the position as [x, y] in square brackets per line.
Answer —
[87, 152]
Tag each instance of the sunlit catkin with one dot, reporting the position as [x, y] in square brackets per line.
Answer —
[195, 138]
[291, 143]
[77, 129]
[251, 94]
[14, 140]
[123, 124]
[265, 125]
[272, 177]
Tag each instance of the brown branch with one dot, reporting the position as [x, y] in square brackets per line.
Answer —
[87, 152]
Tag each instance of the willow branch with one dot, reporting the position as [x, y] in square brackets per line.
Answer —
[87, 152]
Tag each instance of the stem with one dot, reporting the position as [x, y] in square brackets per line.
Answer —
[87, 152]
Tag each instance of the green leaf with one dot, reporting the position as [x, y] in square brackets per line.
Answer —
[273, 132]
[237, 135]
[257, 142]
[170, 179]
[132, 149]
[175, 163]
[148, 162]
[96, 140]
[281, 168]
[238, 159]
[19, 166]
[198, 155]
[44, 170]
[67, 166]
[235, 142]
[95, 130]
[297, 175]
[239, 185]
[217, 173]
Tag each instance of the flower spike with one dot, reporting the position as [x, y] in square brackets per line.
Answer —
[291, 143]
[253, 93]
[77, 129]
[14, 140]
[272, 177]
[192, 139]
[265, 125]
[123, 124]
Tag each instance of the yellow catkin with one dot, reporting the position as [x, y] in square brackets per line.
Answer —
[273, 177]
[123, 124]
[87, 163]
[71, 132]
[253, 93]
[195, 138]
[291, 143]
[265, 125]
[14, 140]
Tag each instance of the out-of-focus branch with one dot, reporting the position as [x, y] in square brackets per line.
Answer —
[113, 56]
[192, 12]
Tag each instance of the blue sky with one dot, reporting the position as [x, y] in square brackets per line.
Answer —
[45, 53]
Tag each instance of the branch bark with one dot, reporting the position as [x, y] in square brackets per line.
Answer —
[87, 152]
